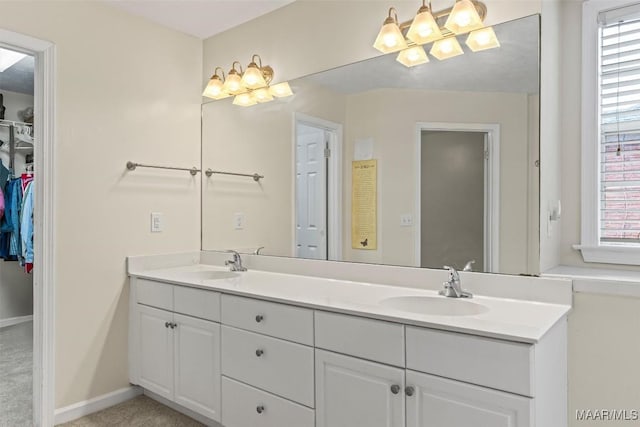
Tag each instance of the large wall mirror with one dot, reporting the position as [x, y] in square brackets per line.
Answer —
[378, 163]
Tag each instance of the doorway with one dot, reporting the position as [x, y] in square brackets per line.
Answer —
[317, 184]
[42, 135]
[457, 201]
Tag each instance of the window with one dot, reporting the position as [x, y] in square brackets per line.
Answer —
[611, 132]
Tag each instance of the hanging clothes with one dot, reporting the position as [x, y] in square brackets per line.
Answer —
[9, 230]
[26, 227]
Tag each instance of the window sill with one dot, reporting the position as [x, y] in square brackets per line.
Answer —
[610, 254]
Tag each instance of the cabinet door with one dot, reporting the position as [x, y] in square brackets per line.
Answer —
[438, 402]
[156, 350]
[197, 365]
[354, 392]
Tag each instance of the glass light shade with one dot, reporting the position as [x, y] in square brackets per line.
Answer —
[463, 18]
[215, 89]
[233, 84]
[446, 48]
[482, 39]
[244, 100]
[413, 56]
[252, 77]
[390, 38]
[281, 90]
[262, 95]
[424, 28]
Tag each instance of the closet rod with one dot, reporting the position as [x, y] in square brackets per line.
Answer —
[132, 166]
[255, 176]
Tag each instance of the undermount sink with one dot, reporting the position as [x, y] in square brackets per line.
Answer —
[210, 275]
[437, 306]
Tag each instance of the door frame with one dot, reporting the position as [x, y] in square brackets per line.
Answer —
[44, 233]
[334, 183]
[491, 187]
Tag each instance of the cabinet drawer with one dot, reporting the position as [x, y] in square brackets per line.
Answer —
[197, 303]
[274, 365]
[245, 406]
[154, 294]
[370, 339]
[498, 364]
[277, 320]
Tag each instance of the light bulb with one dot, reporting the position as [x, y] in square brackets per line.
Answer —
[262, 95]
[390, 40]
[252, 77]
[244, 100]
[412, 56]
[446, 46]
[424, 28]
[463, 19]
[482, 39]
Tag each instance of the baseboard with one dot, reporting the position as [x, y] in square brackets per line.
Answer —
[15, 320]
[189, 413]
[80, 409]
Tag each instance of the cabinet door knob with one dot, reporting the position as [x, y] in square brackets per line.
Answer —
[409, 391]
[259, 318]
[395, 389]
[167, 324]
[174, 325]
[260, 409]
[259, 352]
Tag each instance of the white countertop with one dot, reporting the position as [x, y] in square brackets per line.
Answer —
[509, 319]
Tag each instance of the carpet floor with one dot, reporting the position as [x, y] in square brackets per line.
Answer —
[138, 412]
[16, 375]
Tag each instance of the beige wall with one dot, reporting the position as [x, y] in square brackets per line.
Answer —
[257, 139]
[369, 115]
[126, 89]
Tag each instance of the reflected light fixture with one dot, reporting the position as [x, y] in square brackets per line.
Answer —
[424, 28]
[482, 39]
[465, 16]
[412, 56]
[245, 99]
[250, 87]
[390, 38]
[446, 48]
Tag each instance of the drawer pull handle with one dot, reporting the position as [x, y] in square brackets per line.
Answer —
[409, 391]
[395, 389]
[259, 318]
[259, 352]
[260, 409]
[167, 324]
[174, 325]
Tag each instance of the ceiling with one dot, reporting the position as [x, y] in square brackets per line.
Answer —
[18, 77]
[200, 18]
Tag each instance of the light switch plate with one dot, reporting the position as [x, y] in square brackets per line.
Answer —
[157, 222]
[406, 220]
[239, 220]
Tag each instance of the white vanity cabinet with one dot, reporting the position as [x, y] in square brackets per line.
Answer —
[247, 362]
[176, 355]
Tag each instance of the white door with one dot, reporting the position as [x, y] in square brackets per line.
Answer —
[156, 350]
[197, 365]
[311, 192]
[354, 392]
[439, 402]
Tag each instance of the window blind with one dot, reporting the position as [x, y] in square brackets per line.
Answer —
[620, 126]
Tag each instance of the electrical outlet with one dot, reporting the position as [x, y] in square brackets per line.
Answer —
[406, 220]
[157, 222]
[239, 220]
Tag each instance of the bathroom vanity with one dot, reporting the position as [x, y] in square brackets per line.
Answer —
[273, 349]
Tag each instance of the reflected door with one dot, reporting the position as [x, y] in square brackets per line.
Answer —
[452, 198]
[311, 192]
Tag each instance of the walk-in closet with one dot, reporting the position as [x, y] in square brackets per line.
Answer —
[16, 237]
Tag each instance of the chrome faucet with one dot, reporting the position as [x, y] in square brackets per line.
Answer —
[452, 288]
[468, 265]
[236, 263]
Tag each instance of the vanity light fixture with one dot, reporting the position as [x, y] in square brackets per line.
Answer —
[390, 38]
[465, 16]
[250, 86]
